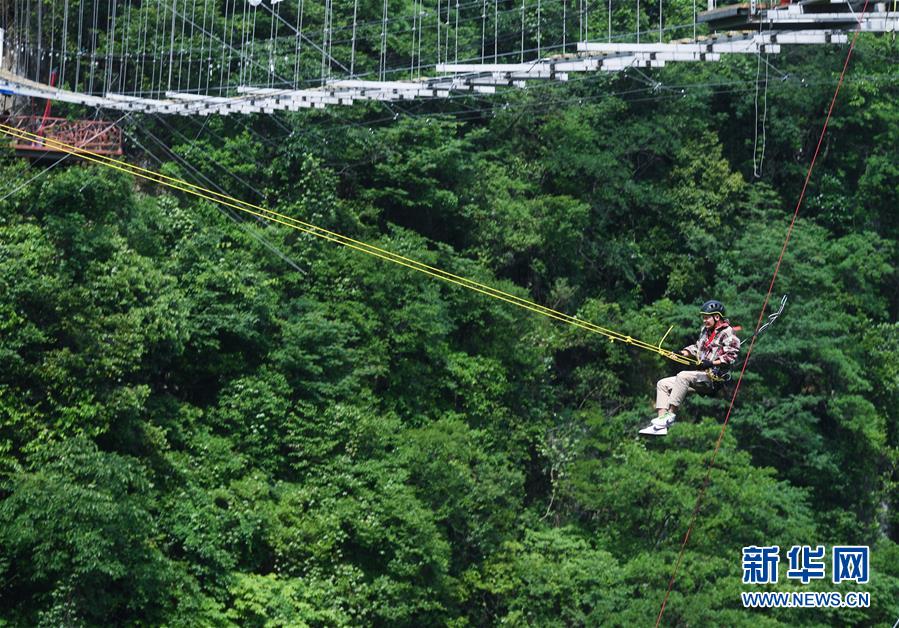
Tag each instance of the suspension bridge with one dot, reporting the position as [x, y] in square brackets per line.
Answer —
[202, 57]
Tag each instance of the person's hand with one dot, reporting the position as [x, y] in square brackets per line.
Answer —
[684, 352]
[706, 364]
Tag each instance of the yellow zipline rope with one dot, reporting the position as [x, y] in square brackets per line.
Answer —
[319, 232]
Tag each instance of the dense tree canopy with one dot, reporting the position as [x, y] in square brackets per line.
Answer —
[194, 431]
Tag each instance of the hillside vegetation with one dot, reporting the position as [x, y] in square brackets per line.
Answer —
[194, 431]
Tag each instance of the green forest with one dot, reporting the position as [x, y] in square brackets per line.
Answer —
[211, 420]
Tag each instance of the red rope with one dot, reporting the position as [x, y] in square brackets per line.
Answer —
[733, 399]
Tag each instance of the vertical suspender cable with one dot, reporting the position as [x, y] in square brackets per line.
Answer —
[251, 40]
[564, 10]
[539, 31]
[205, 68]
[113, 23]
[273, 40]
[456, 36]
[412, 52]
[299, 46]
[25, 27]
[139, 77]
[330, 34]
[17, 32]
[159, 46]
[152, 85]
[22, 38]
[247, 48]
[138, 48]
[10, 22]
[442, 33]
[585, 20]
[419, 34]
[447, 31]
[421, 21]
[40, 41]
[78, 45]
[353, 45]
[416, 23]
[210, 67]
[483, 27]
[123, 65]
[52, 52]
[27, 51]
[495, 30]
[638, 21]
[172, 46]
[227, 22]
[521, 56]
[146, 86]
[93, 45]
[244, 45]
[580, 20]
[694, 20]
[13, 34]
[56, 52]
[171, 50]
[64, 46]
[168, 44]
[110, 51]
[242, 56]
[382, 59]
[271, 46]
[325, 40]
[190, 45]
[661, 5]
[231, 48]
[60, 59]
[329, 15]
[240, 50]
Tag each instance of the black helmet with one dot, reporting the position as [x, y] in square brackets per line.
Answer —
[712, 307]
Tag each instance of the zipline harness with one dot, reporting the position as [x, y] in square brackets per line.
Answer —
[720, 377]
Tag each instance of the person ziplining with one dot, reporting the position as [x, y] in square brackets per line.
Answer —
[715, 351]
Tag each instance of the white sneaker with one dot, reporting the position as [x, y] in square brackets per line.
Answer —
[664, 421]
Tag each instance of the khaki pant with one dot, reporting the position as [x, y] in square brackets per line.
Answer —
[672, 390]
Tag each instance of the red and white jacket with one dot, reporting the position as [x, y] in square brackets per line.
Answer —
[718, 343]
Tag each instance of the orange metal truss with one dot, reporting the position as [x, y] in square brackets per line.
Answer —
[98, 136]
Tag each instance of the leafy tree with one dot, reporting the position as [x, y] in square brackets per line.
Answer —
[78, 533]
